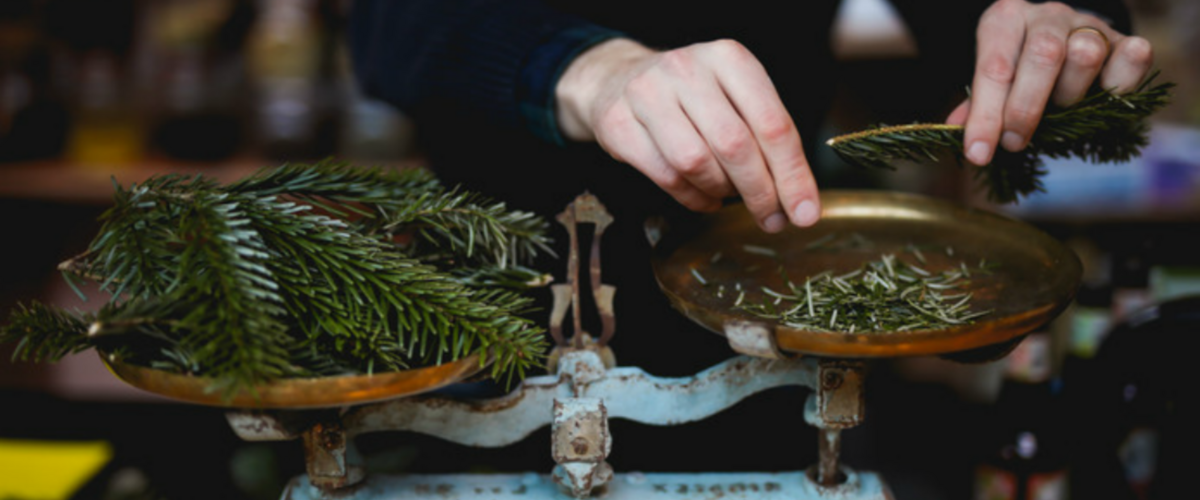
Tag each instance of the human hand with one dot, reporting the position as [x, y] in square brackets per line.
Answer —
[703, 122]
[1029, 53]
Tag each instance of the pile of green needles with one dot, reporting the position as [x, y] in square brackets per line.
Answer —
[885, 295]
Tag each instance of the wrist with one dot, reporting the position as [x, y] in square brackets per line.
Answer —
[586, 79]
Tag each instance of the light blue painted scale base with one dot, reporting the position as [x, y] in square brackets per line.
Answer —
[625, 486]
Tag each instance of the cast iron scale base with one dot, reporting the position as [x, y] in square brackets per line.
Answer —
[1036, 279]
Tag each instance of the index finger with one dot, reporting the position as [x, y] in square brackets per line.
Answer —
[1000, 36]
[752, 93]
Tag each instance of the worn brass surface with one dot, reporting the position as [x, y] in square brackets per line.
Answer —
[1035, 279]
[297, 393]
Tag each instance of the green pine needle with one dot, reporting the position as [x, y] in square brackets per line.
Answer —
[465, 226]
[45, 333]
[295, 271]
[1101, 128]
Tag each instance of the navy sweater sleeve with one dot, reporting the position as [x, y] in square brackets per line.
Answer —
[494, 60]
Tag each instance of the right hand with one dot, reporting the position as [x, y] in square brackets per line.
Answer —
[1032, 53]
[704, 122]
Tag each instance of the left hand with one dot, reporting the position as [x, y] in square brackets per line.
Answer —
[1029, 53]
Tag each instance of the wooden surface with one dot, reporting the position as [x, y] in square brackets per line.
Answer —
[65, 182]
[93, 184]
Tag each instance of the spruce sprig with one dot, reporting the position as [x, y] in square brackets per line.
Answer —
[29, 320]
[296, 271]
[462, 225]
[443, 223]
[1104, 127]
[339, 188]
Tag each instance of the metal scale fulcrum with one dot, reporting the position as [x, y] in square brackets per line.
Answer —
[1034, 279]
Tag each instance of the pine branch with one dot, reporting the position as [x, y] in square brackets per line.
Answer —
[136, 235]
[1102, 128]
[199, 267]
[482, 232]
[45, 333]
[278, 275]
[464, 224]
[233, 300]
[340, 182]
[364, 285]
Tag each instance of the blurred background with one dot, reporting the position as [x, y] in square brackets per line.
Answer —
[97, 91]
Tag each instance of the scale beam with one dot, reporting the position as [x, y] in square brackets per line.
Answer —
[628, 393]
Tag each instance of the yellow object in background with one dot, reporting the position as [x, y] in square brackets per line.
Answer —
[105, 143]
[107, 129]
[49, 470]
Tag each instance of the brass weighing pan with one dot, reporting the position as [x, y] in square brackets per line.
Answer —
[298, 393]
[1033, 276]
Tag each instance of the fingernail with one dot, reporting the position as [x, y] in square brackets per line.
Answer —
[774, 223]
[1012, 141]
[979, 153]
[806, 213]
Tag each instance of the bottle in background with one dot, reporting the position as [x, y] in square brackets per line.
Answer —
[1090, 430]
[91, 45]
[1026, 457]
[107, 130]
[284, 63]
[194, 94]
[1131, 277]
[1144, 372]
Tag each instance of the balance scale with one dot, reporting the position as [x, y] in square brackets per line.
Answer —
[1035, 279]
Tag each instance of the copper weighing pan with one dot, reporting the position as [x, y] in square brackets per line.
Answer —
[1034, 275]
[298, 393]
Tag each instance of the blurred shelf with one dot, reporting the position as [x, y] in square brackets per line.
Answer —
[87, 184]
[1095, 216]
[1160, 185]
[93, 184]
